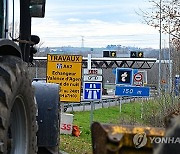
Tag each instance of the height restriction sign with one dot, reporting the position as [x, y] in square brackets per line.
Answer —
[66, 70]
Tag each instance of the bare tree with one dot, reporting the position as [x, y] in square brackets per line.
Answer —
[170, 16]
[168, 11]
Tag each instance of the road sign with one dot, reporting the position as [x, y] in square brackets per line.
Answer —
[112, 53]
[66, 71]
[93, 71]
[109, 53]
[132, 91]
[124, 76]
[133, 54]
[92, 91]
[92, 77]
[138, 79]
[105, 53]
[144, 73]
[140, 54]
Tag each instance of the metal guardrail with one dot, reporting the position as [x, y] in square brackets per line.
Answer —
[104, 102]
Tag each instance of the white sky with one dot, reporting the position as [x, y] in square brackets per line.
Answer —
[101, 22]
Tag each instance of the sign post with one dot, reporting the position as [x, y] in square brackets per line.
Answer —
[92, 87]
[66, 71]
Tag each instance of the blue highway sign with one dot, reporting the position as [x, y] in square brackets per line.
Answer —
[92, 91]
[132, 91]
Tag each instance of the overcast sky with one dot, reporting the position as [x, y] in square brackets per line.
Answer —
[100, 22]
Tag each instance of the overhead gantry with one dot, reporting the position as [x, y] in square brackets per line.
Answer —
[136, 63]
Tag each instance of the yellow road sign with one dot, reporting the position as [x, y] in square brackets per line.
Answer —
[66, 70]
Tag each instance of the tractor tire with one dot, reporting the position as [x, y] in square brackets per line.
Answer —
[18, 109]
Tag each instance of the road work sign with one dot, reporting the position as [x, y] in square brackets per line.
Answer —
[66, 70]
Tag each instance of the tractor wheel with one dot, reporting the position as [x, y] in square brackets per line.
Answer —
[18, 109]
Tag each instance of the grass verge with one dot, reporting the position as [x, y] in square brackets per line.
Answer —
[142, 112]
[82, 144]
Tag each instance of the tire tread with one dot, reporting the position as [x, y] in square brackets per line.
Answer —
[14, 76]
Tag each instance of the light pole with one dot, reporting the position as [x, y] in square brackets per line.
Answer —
[159, 81]
[170, 62]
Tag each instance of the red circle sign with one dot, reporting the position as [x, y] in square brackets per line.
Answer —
[138, 77]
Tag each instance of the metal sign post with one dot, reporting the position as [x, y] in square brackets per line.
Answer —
[89, 67]
[92, 87]
[120, 105]
[91, 115]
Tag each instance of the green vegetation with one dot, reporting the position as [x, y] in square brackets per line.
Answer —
[142, 112]
[82, 144]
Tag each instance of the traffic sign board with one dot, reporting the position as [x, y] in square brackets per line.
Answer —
[112, 53]
[92, 91]
[92, 78]
[66, 71]
[133, 54]
[144, 74]
[124, 76]
[132, 91]
[138, 77]
[93, 71]
[140, 54]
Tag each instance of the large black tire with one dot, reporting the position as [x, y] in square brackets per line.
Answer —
[18, 124]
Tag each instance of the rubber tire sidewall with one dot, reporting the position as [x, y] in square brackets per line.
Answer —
[18, 85]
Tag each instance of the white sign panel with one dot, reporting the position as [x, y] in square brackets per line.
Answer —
[144, 73]
[92, 78]
[93, 71]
